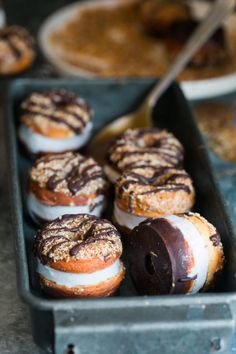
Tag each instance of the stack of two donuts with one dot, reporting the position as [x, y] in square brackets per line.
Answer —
[78, 254]
[170, 250]
[146, 166]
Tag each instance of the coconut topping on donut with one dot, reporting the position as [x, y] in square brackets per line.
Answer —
[15, 42]
[74, 237]
[56, 110]
[145, 147]
[69, 173]
[137, 188]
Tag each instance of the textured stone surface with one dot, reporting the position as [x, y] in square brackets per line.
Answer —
[15, 332]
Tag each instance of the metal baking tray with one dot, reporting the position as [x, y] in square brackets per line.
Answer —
[126, 323]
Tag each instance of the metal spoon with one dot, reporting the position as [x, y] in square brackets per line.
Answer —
[142, 116]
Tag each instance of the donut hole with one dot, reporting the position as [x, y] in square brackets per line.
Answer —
[149, 266]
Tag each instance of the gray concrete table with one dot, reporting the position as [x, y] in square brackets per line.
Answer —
[15, 331]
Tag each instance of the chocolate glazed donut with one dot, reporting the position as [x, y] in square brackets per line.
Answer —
[151, 191]
[48, 102]
[17, 50]
[54, 121]
[174, 255]
[143, 147]
[66, 183]
[79, 256]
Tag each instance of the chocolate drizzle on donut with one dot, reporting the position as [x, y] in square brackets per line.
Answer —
[14, 37]
[88, 236]
[143, 181]
[145, 147]
[58, 106]
[84, 236]
[70, 173]
[215, 239]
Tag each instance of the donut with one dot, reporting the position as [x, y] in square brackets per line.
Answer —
[67, 183]
[175, 254]
[54, 121]
[17, 50]
[145, 192]
[79, 256]
[143, 147]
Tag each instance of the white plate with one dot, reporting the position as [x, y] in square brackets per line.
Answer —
[195, 89]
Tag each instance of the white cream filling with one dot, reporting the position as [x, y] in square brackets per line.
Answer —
[197, 246]
[39, 143]
[126, 219]
[112, 174]
[79, 279]
[48, 212]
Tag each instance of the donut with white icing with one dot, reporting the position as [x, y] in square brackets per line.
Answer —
[17, 50]
[175, 254]
[145, 192]
[54, 121]
[67, 183]
[143, 147]
[79, 256]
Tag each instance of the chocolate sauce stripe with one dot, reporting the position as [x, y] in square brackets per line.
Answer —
[136, 153]
[215, 239]
[161, 157]
[30, 108]
[75, 179]
[75, 250]
[77, 130]
[16, 31]
[82, 224]
[47, 241]
[55, 247]
[176, 176]
[76, 185]
[65, 98]
[164, 184]
[167, 188]
[15, 50]
[49, 158]
[87, 168]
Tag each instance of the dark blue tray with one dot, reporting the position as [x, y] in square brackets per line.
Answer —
[127, 323]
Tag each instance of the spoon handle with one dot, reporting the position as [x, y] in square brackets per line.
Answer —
[217, 13]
